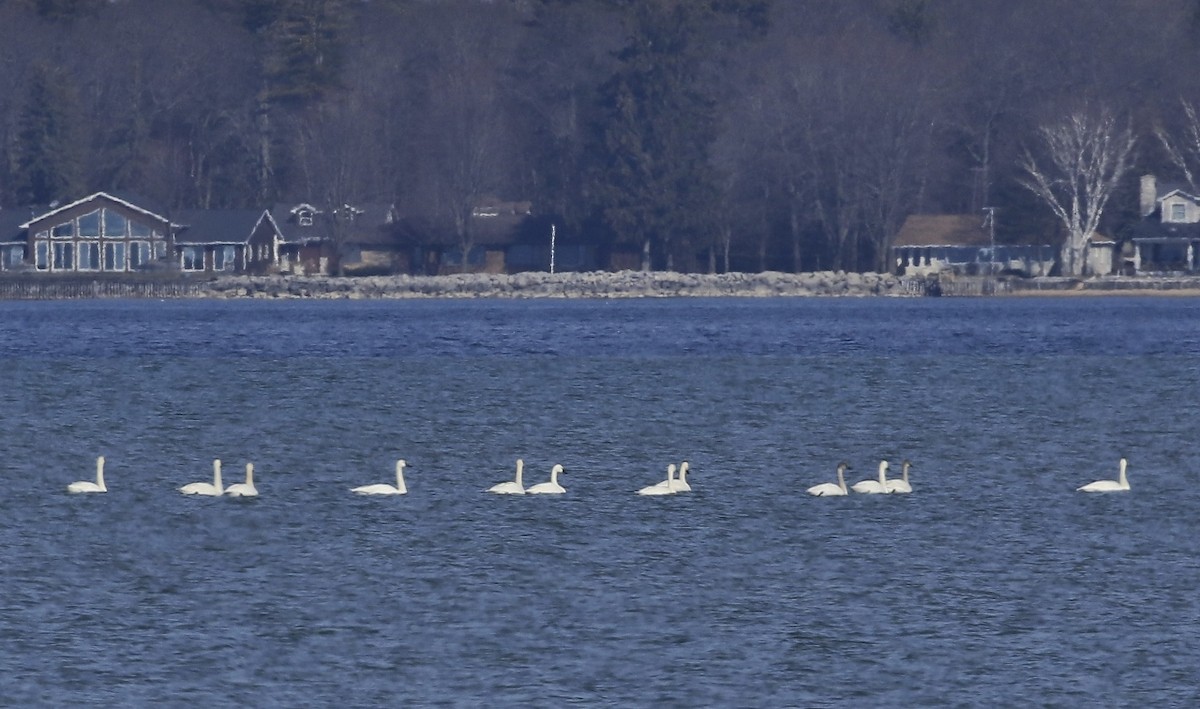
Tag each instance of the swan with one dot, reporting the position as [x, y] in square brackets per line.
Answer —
[384, 488]
[245, 489]
[874, 487]
[902, 485]
[832, 489]
[667, 487]
[89, 486]
[212, 489]
[550, 488]
[512, 487]
[681, 483]
[1121, 484]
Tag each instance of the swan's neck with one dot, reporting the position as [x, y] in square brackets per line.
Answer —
[670, 472]
[1124, 482]
[250, 474]
[554, 475]
[520, 468]
[400, 476]
[906, 472]
[883, 473]
[842, 477]
[217, 474]
[683, 470]
[100, 473]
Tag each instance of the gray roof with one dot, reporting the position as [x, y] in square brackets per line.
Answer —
[217, 226]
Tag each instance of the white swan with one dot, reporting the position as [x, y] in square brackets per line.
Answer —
[667, 487]
[89, 486]
[550, 488]
[245, 489]
[681, 483]
[874, 487]
[212, 489]
[512, 487]
[832, 489]
[1121, 484]
[902, 485]
[384, 488]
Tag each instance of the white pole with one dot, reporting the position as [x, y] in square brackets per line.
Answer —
[552, 235]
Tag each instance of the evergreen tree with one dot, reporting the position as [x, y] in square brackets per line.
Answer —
[48, 160]
[651, 180]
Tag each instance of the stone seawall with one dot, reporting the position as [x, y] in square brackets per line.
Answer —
[622, 284]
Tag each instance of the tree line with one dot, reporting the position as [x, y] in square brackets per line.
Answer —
[704, 135]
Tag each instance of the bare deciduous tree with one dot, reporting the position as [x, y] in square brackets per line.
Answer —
[1087, 155]
[1184, 153]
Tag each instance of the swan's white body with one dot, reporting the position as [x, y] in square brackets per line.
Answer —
[212, 489]
[832, 489]
[874, 487]
[245, 489]
[902, 485]
[383, 488]
[1121, 484]
[666, 487]
[89, 486]
[549, 488]
[512, 487]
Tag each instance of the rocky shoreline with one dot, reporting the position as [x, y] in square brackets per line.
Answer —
[596, 284]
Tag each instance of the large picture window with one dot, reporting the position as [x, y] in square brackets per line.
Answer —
[41, 255]
[64, 257]
[139, 254]
[89, 224]
[223, 257]
[114, 257]
[89, 256]
[64, 230]
[139, 229]
[193, 258]
[116, 226]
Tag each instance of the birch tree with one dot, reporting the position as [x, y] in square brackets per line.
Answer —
[1085, 157]
[1184, 152]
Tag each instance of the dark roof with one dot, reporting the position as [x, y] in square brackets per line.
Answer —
[943, 230]
[10, 224]
[217, 226]
[1154, 229]
[372, 223]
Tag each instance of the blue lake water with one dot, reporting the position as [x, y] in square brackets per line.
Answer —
[993, 584]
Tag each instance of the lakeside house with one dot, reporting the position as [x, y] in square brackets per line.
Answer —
[1167, 238]
[962, 244]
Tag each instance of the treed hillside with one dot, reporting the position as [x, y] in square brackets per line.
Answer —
[718, 134]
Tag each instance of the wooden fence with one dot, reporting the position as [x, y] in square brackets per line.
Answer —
[43, 287]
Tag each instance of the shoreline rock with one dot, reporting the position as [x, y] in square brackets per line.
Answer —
[593, 284]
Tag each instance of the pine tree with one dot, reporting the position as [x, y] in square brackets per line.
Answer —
[48, 160]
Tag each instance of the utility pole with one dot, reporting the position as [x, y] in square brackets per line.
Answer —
[990, 222]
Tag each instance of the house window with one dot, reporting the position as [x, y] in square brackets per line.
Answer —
[115, 224]
[89, 224]
[139, 229]
[193, 258]
[305, 217]
[223, 257]
[114, 256]
[160, 249]
[139, 254]
[64, 230]
[13, 257]
[64, 257]
[41, 255]
[1178, 212]
[89, 256]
